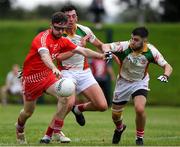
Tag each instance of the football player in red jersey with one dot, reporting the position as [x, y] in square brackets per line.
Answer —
[40, 74]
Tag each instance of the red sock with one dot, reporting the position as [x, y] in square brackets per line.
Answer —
[58, 125]
[140, 133]
[20, 126]
[119, 127]
[49, 131]
[81, 107]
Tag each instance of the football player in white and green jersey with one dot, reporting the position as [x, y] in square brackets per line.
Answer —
[134, 57]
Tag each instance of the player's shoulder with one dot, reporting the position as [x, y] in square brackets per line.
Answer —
[151, 47]
[84, 28]
[124, 44]
[42, 34]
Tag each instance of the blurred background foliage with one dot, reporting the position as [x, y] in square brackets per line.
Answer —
[133, 11]
[16, 38]
[18, 27]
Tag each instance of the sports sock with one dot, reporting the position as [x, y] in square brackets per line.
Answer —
[140, 133]
[58, 123]
[119, 127]
[49, 132]
[79, 109]
[20, 123]
[20, 126]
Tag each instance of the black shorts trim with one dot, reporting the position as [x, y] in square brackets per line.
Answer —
[143, 92]
[120, 103]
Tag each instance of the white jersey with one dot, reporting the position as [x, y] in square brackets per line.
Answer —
[14, 83]
[77, 61]
[134, 67]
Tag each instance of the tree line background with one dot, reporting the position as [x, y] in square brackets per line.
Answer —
[168, 11]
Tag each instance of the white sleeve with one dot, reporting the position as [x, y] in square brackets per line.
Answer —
[43, 48]
[88, 32]
[9, 77]
[159, 59]
[92, 36]
[119, 46]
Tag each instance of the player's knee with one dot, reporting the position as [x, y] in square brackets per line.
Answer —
[63, 100]
[139, 110]
[103, 107]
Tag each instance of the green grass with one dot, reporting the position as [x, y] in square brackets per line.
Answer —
[162, 127]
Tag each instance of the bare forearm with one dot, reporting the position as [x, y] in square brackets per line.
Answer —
[45, 57]
[106, 47]
[64, 56]
[167, 70]
[88, 53]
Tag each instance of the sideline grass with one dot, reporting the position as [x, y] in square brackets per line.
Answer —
[162, 127]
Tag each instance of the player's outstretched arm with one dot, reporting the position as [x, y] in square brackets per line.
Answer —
[88, 52]
[64, 56]
[106, 47]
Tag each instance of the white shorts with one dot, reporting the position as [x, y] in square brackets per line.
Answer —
[124, 89]
[83, 79]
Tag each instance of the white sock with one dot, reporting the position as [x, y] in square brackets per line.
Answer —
[47, 137]
[76, 110]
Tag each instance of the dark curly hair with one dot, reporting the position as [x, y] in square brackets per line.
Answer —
[68, 8]
[140, 31]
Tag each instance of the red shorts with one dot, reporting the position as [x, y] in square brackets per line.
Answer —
[33, 88]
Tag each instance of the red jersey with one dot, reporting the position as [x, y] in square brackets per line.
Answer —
[33, 63]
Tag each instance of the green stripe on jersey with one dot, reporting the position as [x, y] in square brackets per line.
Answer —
[64, 35]
[123, 55]
[149, 56]
[80, 32]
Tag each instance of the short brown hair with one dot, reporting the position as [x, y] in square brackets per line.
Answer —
[59, 17]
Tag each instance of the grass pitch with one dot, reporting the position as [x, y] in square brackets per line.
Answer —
[162, 128]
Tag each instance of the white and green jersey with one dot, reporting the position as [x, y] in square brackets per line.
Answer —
[77, 61]
[134, 67]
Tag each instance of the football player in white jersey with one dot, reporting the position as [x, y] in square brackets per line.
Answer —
[134, 57]
[77, 67]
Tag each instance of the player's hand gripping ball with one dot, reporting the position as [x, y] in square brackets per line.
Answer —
[65, 87]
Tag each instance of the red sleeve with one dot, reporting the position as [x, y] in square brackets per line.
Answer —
[67, 45]
[40, 40]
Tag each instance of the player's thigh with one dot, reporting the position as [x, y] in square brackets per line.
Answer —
[52, 90]
[95, 94]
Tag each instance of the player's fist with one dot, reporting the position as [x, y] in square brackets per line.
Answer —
[56, 72]
[108, 56]
[20, 73]
[163, 78]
